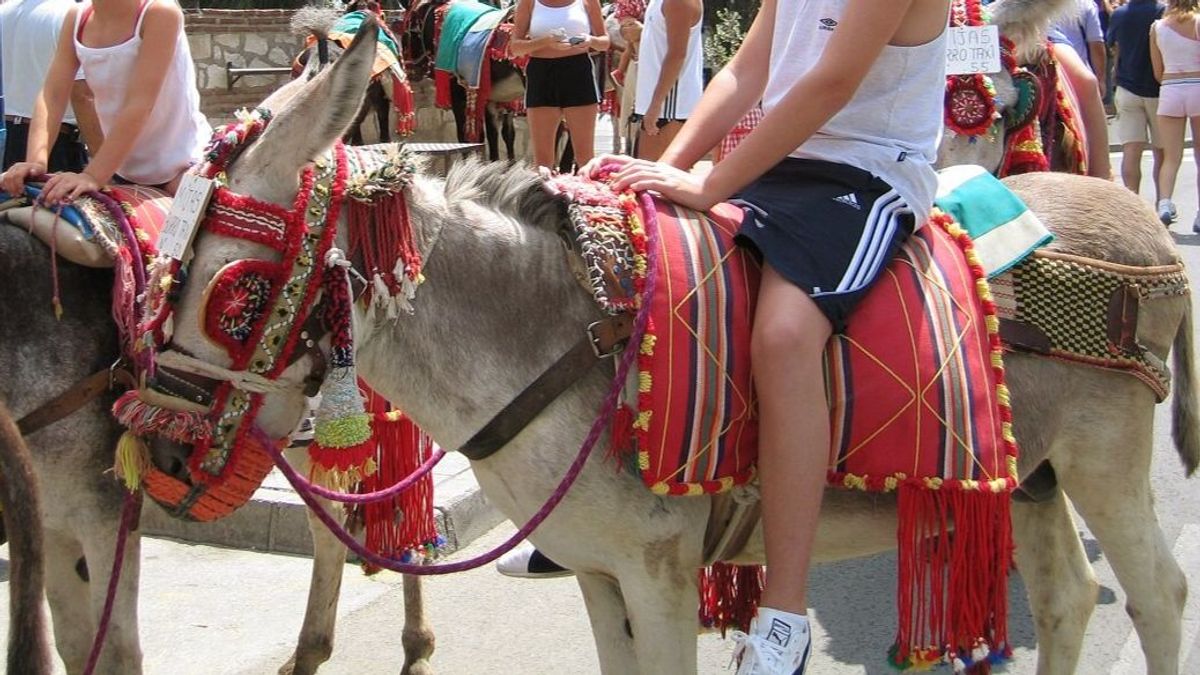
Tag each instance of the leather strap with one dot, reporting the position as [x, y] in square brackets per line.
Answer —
[602, 339]
[78, 395]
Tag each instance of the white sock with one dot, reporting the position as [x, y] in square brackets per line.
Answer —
[780, 627]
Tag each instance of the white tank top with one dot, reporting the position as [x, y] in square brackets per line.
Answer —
[175, 132]
[1180, 54]
[682, 98]
[891, 126]
[567, 21]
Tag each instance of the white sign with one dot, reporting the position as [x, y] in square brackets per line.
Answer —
[191, 199]
[972, 49]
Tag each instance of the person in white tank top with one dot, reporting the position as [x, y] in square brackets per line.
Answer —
[670, 72]
[835, 176]
[135, 56]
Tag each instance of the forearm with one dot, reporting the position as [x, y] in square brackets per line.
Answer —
[1099, 64]
[120, 140]
[667, 76]
[85, 116]
[728, 97]
[526, 46]
[48, 112]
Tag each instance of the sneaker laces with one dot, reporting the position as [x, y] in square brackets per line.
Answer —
[761, 652]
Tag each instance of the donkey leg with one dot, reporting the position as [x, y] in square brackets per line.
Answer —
[1058, 579]
[67, 592]
[610, 628]
[418, 638]
[316, 633]
[122, 650]
[663, 611]
[1111, 490]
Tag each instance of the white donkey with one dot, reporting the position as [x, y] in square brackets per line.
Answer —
[499, 283]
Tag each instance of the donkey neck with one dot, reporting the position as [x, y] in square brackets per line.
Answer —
[498, 306]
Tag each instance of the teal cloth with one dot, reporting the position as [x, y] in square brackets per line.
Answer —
[461, 16]
[350, 23]
[1003, 229]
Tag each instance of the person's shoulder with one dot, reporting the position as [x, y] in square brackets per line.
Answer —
[164, 12]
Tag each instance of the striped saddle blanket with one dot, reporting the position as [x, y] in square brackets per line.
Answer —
[915, 386]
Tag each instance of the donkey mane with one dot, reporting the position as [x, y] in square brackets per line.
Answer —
[312, 20]
[509, 188]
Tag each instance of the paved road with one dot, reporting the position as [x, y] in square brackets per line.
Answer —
[208, 610]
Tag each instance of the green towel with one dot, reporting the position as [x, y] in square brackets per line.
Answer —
[350, 23]
[462, 15]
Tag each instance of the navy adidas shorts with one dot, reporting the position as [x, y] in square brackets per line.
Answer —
[828, 228]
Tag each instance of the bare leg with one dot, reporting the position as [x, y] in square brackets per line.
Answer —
[1157, 154]
[543, 125]
[1195, 124]
[581, 125]
[1131, 165]
[1171, 130]
[788, 341]
[652, 146]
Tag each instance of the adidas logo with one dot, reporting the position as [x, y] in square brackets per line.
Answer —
[849, 200]
[828, 24]
[780, 633]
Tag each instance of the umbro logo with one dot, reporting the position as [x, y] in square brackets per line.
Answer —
[849, 200]
[828, 24]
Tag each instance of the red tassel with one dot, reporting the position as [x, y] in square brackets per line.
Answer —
[402, 100]
[441, 84]
[729, 595]
[400, 526]
[620, 440]
[952, 589]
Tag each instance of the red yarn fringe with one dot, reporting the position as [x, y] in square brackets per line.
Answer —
[403, 525]
[953, 585]
[381, 233]
[406, 111]
[441, 88]
[729, 595]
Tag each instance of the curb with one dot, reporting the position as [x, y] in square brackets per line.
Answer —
[276, 521]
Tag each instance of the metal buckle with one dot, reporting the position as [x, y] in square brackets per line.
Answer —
[595, 342]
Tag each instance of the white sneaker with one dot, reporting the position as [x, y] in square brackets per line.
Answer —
[1166, 211]
[779, 643]
[526, 562]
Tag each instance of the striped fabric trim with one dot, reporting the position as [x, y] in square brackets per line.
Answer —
[871, 254]
[1184, 80]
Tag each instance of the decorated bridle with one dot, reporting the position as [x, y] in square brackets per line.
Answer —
[971, 110]
[266, 315]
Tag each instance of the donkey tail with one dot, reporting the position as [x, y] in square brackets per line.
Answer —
[1185, 419]
[28, 649]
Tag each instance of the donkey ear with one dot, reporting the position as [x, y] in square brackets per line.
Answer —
[316, 113]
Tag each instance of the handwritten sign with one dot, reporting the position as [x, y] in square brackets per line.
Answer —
[972, 49]
[191, 199]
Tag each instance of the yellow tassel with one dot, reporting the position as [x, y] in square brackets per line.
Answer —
[58, 310]
[131, 461]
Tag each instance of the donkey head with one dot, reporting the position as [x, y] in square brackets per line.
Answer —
[231, 288]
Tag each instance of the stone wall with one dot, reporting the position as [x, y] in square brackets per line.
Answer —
[249, 38]
[261, 38]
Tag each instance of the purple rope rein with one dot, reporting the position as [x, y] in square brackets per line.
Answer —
[129, 511]
[599, 425]
[379, 495]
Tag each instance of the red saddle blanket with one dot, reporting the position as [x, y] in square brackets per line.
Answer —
[917, 405]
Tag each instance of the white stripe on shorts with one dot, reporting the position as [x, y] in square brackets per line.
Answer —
[871, 254]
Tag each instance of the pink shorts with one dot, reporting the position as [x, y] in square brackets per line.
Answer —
[1180, 98]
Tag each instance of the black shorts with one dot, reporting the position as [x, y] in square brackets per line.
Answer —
[828, 228]
[67, 153]
[561, 83]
